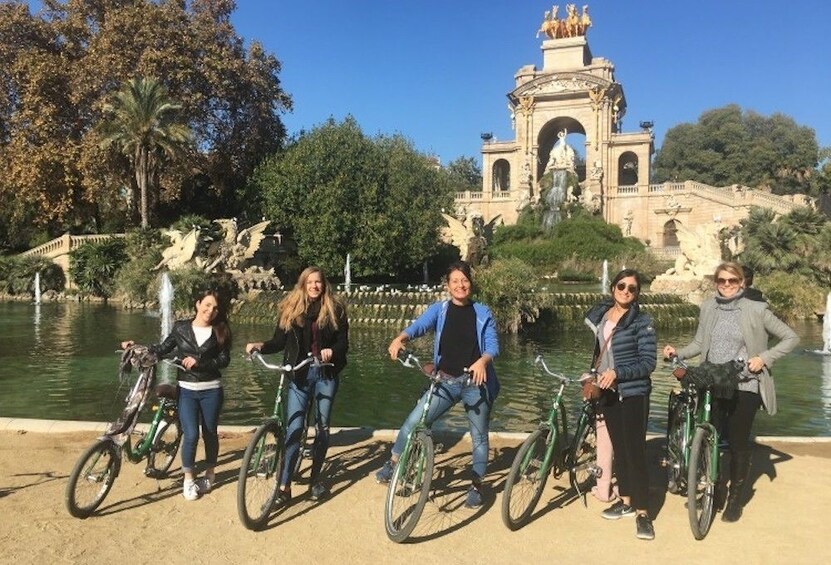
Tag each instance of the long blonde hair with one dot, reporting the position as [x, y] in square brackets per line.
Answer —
[296, 302]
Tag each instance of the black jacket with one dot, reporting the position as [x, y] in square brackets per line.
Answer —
[296, 342]
[210, 358]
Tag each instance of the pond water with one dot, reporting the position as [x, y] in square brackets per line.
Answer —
[58, 361]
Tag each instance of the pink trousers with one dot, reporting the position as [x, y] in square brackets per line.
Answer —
[603, 491]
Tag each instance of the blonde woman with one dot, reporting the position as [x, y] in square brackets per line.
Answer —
[312, 322]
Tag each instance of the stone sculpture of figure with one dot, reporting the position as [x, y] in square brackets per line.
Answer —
[562, 155]
[700, 250]
[628, 218]
[585, 21]
[550, 24]
[597, 171]
[572, 21]
[181, 251]
[237, 247]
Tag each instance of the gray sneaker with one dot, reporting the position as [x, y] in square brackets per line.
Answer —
[617, 511]
[644, 529]
[384, 475]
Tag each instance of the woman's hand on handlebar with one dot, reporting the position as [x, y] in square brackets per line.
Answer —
[478, 371]
[669, 351]
[188, 363]
[326, 355]
[755, 364]
[127, 344]
[253, 346]
[395, 346]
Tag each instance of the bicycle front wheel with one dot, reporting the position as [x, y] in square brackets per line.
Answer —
[92, 478]
[164, 449]
[259, 475]
[409, 488]
[701, 485]
[526, 480]
[582, 463]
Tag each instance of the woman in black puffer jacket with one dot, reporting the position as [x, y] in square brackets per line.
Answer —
[625, 356]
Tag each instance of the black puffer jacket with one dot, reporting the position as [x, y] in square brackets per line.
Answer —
[210, 358]
[296, 343]
[634, 348]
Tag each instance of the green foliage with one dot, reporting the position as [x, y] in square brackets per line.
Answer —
[337, 191]
[63, 60]
[728, 146]
[580, 237]
[17, 275]
[507, 287]
[188, 282]
[798, 242]
[94, 266]
[792, 296]
[464, 174]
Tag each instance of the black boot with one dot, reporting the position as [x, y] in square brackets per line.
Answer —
[739, 469]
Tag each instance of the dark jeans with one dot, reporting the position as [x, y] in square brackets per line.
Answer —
[477, 407]
[199, 407]
[626, 422]
[323, 390]
[735, 417]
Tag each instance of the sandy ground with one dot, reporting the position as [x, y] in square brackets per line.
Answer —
[144, 520]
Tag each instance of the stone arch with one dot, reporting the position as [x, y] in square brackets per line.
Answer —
[627, 169]
[547, 137]
[670, 238]
[501, 176]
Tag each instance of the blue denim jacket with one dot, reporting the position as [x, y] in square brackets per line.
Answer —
[433, 320]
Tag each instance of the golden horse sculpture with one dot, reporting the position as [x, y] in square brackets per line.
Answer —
[573, 25]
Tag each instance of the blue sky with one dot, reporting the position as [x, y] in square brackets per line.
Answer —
[438, 71]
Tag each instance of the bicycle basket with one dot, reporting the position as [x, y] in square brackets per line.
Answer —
[722, 377]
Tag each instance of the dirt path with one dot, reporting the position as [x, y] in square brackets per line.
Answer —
[145, 520]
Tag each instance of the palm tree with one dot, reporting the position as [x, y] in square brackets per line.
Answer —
[142, 125]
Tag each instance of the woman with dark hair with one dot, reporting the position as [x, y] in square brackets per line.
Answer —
[312, 322]
[203, 343]
[733, 326]
[625, 354]
[465, 337]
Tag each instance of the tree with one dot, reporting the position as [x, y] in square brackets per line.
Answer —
[62, 64]
[729, 146]
[465, 174]
[143, 128]
[337, 192]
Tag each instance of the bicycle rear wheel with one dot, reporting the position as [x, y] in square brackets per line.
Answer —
[259, 475]
[582, 463]
[526, 480]
[164, 449]
[92, 478]
[701, 485]
[409, 488]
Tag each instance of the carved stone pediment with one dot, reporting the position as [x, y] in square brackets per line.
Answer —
[561, 83]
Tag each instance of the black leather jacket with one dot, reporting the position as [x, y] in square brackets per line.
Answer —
[210, 358]
[295, 343]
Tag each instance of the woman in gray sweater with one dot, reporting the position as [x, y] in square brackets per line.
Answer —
[731, 326]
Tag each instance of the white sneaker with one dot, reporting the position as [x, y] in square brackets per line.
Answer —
[190, 490]
[204, 485]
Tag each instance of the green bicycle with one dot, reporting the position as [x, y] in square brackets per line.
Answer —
[98, 467]
[409, 487]
[548, 450]
[262, 462]
[693, 457]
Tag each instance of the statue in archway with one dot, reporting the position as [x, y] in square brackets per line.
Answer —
[559, 169]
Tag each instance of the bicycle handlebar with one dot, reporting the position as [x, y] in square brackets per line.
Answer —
[538, 360]
[287, 368]
[409, 360]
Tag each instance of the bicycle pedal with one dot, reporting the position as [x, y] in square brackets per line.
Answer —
[664, 462]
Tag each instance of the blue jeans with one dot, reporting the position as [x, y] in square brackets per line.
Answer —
[477, 407]
[199, 407]
[323, 390]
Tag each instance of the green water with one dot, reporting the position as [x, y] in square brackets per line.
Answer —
[58, 361]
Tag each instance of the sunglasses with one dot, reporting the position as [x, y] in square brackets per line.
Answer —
[623, 286]
[731, 281]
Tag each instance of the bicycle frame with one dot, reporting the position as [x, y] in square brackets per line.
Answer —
[142, 448]
[410, 360]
